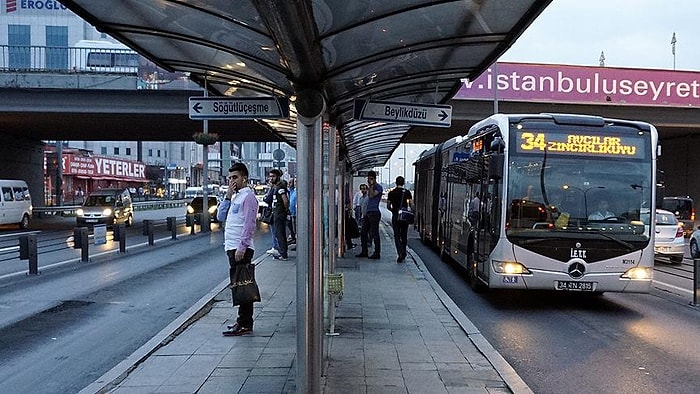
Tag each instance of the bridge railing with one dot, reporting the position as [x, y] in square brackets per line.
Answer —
[31, 58]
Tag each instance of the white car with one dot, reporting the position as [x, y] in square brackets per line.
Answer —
[695, 244]
[668, 239]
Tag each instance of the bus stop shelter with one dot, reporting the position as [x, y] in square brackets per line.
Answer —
[321, 55]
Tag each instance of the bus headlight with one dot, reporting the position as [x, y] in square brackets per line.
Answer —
[638, 273]
[509, 267]
[212, 210]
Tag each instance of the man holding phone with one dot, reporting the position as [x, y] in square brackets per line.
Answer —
[239, 210]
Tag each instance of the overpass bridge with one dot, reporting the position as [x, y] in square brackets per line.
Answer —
[668, 99]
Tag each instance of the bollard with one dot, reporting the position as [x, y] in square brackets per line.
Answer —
[80, 241]
[120, 236]
[205, 222]
[696, 281]
[145, 226]
[27, 251]
[172, 227]
[151, 232]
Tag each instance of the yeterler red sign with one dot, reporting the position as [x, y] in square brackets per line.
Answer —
[100, 167]
[585, 85]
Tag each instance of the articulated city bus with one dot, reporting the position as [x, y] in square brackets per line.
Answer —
[519, 202]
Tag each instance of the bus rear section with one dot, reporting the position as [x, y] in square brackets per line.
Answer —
[104, 57]
[553, 202]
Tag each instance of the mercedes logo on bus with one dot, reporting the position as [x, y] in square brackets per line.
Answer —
[577, 269]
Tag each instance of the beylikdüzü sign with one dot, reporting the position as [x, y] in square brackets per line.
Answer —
[100, 167]
[585, 85]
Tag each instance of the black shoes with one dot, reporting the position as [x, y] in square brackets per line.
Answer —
[237, 330]
[374, 257]
[363, 254]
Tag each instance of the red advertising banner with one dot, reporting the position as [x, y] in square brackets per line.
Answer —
[585, 85]
[100, 167]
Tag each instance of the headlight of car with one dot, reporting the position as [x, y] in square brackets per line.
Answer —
[190, 209]
[79, 212]
[107, 212]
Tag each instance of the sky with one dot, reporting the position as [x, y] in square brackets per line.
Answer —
[630, 33]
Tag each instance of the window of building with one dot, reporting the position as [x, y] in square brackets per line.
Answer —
[128, 151]
[150, 153]
[116, 150]
[158, 152]
[57, 47]
[182, 152]
[103, 150]
[18, 42]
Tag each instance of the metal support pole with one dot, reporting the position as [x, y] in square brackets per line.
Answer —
[335, 199]
[172, 226]
[696, 282]
[309, 256]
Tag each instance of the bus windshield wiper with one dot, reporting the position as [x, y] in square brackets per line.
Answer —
[628, 245]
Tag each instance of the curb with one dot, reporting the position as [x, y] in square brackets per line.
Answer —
[514, 382]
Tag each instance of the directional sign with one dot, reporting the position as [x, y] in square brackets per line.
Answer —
[406, 113]
[238, 108]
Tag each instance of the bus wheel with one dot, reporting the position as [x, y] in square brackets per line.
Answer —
[24, 224]
[472, 276]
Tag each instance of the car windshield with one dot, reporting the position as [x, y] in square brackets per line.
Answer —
[96, 201]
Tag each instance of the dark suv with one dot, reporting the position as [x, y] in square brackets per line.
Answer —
[684, 210]
[195, 206]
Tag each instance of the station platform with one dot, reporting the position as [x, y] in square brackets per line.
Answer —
[395, 331]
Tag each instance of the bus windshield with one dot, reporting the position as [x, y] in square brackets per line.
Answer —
[590, 182]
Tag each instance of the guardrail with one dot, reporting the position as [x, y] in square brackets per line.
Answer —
[69, 210]
[27, 247]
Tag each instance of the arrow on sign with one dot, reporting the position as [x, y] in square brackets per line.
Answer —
[238, 107]
[405, 113]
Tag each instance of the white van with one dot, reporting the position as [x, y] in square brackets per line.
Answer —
[15, 202]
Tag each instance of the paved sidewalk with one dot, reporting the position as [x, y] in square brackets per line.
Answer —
[398, 332]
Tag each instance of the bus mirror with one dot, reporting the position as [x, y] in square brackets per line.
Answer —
[496, 167]
[497, 145]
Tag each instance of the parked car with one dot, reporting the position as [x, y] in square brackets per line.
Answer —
[669, 240]
[195, 206]
[695, 244]
[684, 210]
[15, 202]
[106, 206]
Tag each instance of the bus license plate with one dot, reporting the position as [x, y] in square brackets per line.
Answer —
[574, 286]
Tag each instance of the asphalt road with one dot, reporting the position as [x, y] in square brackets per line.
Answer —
[573, 343]
[91, 316]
